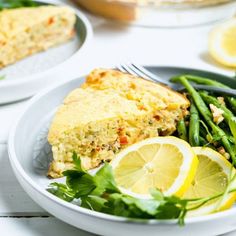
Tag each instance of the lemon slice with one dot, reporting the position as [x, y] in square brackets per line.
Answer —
[212, 176]
[166, 163]
[222, 43]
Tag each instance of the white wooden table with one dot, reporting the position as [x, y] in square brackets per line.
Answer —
[112, 44]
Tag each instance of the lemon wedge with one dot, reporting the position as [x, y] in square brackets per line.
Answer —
[212, 177]
[222, 43]
[166, 163]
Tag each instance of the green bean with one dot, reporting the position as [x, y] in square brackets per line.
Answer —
[203, 109]
[194, 126]
[182, 130]
[232, 102]
[206, 81]
[210, 82]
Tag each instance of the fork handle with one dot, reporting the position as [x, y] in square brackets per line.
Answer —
[150, 76]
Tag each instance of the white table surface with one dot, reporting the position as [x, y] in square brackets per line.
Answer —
[112, 44]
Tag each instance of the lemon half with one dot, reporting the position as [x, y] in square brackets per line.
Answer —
[166, 163]
[212, 178]
[222, 43]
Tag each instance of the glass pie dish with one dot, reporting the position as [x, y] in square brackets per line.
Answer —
[162, 13]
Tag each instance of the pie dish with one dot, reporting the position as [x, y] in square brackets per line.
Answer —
[162, 13]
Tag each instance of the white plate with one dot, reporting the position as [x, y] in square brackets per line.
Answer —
[30, 154]
[28, 76]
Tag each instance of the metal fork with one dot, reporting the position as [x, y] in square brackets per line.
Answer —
[140, 71]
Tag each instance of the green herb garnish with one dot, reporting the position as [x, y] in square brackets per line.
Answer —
[16, 3]
[99, 192]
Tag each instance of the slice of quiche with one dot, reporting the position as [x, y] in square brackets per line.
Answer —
[28, 30]
[109, 112]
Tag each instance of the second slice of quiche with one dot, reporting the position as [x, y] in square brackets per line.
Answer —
[25, 31]
[109, 112]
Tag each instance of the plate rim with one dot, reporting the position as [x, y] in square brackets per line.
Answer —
[37, 76]
[16, 165]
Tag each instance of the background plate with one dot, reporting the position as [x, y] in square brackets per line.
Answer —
[30, 155]
[28, 76]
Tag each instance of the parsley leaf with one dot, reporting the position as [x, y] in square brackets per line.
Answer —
[105, 180]
[94, 203]
[79, 180]
[62, 191]
[99, 192]
[17, 3]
